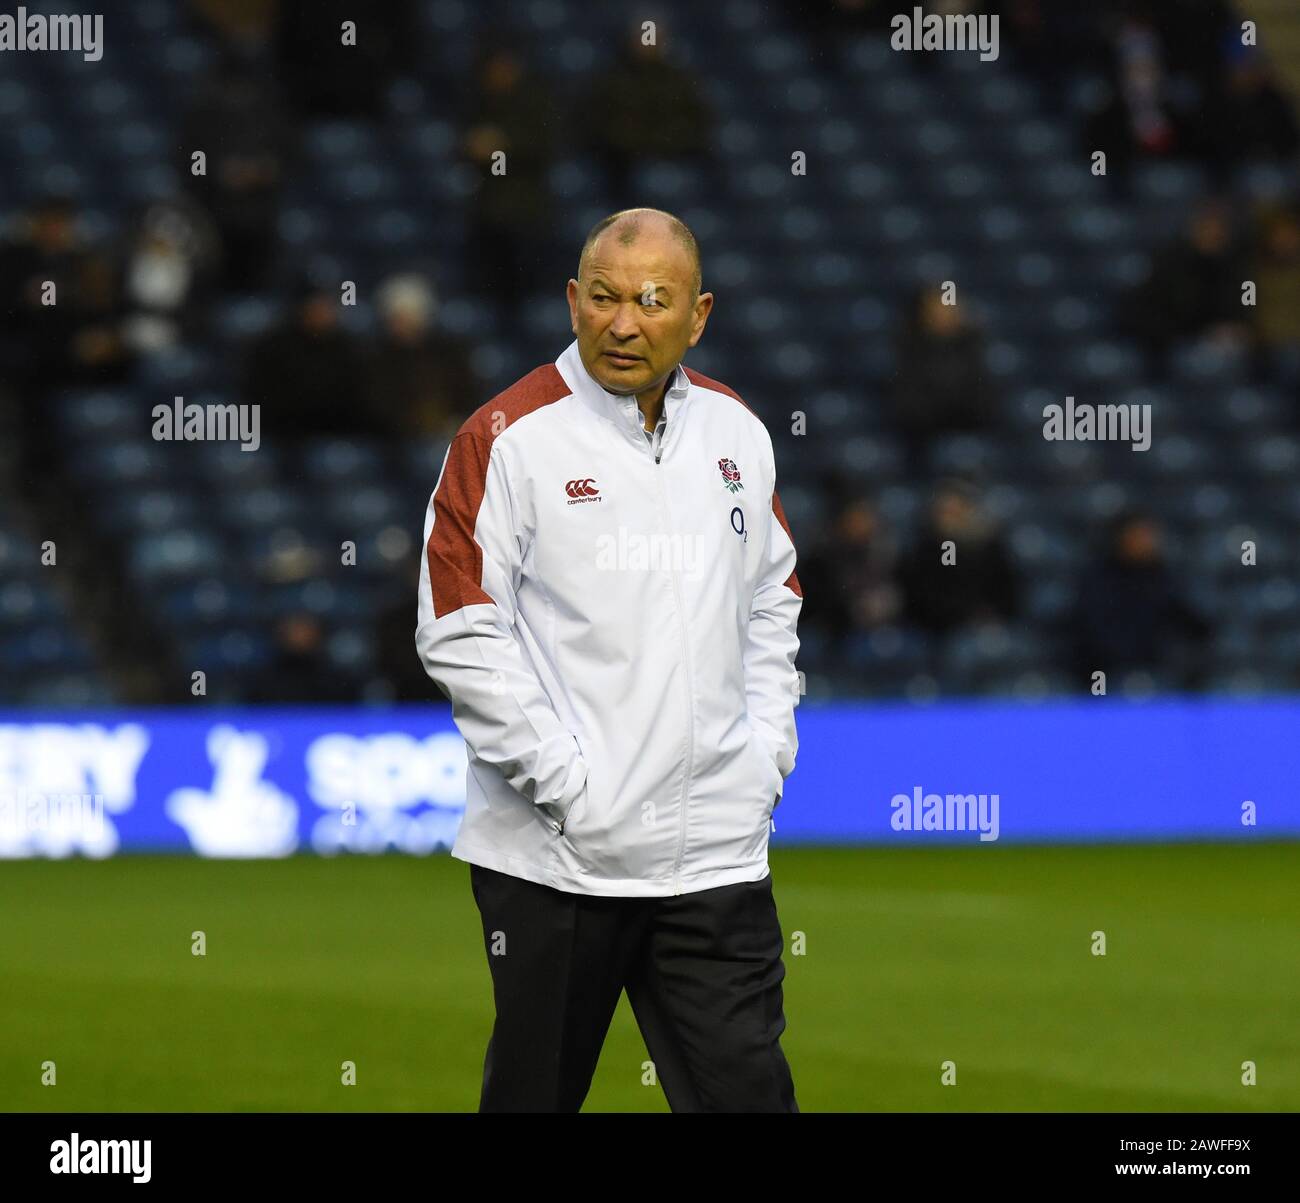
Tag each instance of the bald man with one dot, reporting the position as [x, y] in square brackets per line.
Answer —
[608, 598]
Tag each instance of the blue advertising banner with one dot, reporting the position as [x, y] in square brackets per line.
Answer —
[271, 782]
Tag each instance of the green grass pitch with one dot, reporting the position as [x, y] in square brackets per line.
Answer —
[911, 957]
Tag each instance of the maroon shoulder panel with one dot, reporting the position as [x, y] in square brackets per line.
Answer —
[716, 385]
[792, 581]
[455, 559]
[541, 386]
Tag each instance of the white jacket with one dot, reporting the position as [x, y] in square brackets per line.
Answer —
[614, 623]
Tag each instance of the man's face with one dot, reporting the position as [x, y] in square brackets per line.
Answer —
[52, 230]
[857, 522]
[952, 512]
[1210, 233]
[404, 323]
[318, 313]
[633, 312]
[1139, 542]
[940, 318]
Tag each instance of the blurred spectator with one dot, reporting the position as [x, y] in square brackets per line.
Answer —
[977, 586]
[46, 248]
[170, 265]
[510, 113]
[941, 383]
[1192, 34]
[300, 669]
[1143, 89]
[237, 20]
[1129, 613]
[1252, 119]
[403, 678]
[1276, 272]
[307, 374]
[848, 578]
[643, 107]
[328, 77]
[1175, 88]
[1193, 289]
[62, 322]
[98, 353]
[419, 377]
[1137, 118]
[238, 123]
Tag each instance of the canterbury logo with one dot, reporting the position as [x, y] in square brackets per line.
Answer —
[581, 488]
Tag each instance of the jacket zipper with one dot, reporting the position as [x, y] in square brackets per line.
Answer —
[686, 659]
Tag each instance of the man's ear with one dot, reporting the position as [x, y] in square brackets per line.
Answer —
[703, 307]
[572, 293]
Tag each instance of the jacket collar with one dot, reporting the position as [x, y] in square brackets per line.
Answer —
[621, 410]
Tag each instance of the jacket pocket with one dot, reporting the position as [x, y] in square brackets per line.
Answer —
[769, 772]
[577, 805]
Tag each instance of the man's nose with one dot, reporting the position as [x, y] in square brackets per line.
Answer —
[624, 323]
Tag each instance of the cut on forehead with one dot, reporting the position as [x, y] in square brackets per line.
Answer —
[626, 227]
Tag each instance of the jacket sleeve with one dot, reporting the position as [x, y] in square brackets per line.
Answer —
[771, 683]
[465, 636]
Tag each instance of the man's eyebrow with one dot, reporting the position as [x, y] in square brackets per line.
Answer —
[651, 286]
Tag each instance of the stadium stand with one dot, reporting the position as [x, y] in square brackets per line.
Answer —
[917, 173]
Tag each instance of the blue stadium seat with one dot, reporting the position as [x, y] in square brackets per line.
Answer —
[174, 553]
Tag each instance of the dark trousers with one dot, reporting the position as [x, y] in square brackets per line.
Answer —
[702, 971]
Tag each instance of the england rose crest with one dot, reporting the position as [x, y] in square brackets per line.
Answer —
[730, 474]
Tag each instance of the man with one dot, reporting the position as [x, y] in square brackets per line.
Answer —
[420, 375]
[608, 598]
[979, 588]
[1130, 613]
[307, 372]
